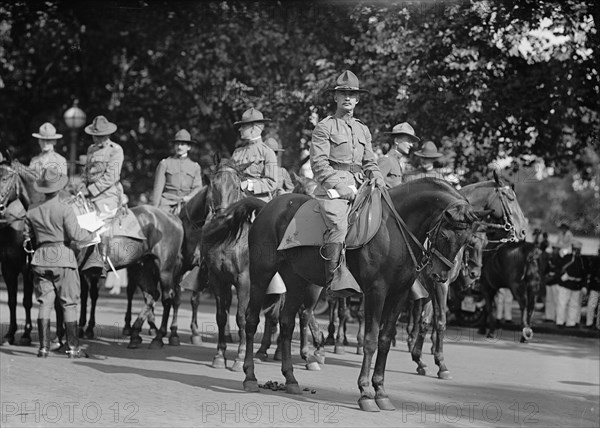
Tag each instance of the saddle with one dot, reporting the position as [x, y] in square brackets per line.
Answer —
[307, 227]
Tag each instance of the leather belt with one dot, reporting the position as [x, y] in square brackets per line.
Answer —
[350, 167]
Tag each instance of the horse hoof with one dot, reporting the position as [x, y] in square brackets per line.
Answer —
[196, 339]
[24, 341]
[10, 340]
[237, 366]
[152, 332]
[313, 366]
[329, 341]
[385, 403]
[219, 363]
[368, 405]
[421, 371]
[481, 331]
[56, 345]
[277, 356]
[339, 349]
[359, 350]
[319, 358]
[126, 331]
[490, 336]
[156, 344]
[134, 342]
[262, 356]
[445, 375]
[251, 386]
[174, 341]
[293, 388]
[80, 333]
[89, 334]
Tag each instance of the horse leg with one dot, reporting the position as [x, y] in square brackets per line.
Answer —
[340, 337]
[130, 292]
[135, 339]
[307, 319]
[332, 305]
[440, 299]
[243, 294]
[390, 313]
[373, 308]
[85, 288]
[413, 325]
[527, 308]
[25, 339]
[419, 332]
[295, 297]
[12, 283]
[360, 337]
[273, 307]
[176, 301]
[195, 301]
[95, 284]
[220, 291]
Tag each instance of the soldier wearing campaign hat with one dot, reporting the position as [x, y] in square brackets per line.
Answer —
[52, 225]
[342, 158]
[394, 165]
[178, 178]
[284, 181]
[427, 155]
[260, 177]
[104, 161]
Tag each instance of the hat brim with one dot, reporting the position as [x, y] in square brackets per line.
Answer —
[190, 142]
[52, 187]
[46, 137]
[242, 122]
[414, 137]
[110, 130]
[429, 156]
[360, 91]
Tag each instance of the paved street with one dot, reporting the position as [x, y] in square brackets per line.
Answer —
[553, 381]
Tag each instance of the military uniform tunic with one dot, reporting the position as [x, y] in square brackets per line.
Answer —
[54, 265]
[263, 168]
[175, 178]
[422, 173]
[45, 159]
[103, 175]
[340, 153]
[284, 181]
[393, 167]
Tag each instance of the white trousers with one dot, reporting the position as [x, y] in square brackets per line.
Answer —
[568, 307]
[591, 309]
[504, 299]
[550, 303]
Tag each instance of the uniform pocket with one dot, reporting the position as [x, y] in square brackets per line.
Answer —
[341, 149]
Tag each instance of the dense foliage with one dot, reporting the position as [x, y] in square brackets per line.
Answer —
[485, 79]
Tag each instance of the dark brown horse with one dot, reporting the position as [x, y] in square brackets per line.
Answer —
[385, 268]
[513, 265]
[152, 262]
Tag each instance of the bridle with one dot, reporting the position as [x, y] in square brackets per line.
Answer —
[428, 251]
[6, 191]
[214, 211]
[507, 217]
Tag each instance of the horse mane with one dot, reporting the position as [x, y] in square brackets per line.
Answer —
[226, 227]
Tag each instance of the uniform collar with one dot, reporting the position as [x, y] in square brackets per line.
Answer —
[346, 117]
[256, 140]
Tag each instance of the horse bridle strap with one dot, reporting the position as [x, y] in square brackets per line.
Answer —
[4, 196]
[508, 225]
[426, 252]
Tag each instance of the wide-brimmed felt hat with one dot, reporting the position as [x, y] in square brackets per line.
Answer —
[47, 132]
[563, 224]
[274, 145]
[100, 126]
[183, 136]
[252, 115]
[347, 81]
[52, 180]
[403, 128]
[429, 150]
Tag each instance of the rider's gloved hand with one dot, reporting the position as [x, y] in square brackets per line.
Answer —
[377, 177]
[345, 192]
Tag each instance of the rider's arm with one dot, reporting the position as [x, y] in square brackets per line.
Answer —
[320, 152]
[159, 182]
[111, 174]
[196, 183]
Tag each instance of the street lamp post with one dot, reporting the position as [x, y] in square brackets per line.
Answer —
[75, 119]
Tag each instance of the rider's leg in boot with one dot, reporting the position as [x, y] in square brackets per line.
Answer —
[44, 334]
[338, 279]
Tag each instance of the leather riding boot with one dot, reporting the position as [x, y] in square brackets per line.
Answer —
[338, 279]
[44, 334]
[74, 350]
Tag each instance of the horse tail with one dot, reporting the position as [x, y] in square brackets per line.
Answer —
[227, 227]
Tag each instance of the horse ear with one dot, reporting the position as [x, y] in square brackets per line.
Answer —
[217, 158]
[497, 178]
[205, 180]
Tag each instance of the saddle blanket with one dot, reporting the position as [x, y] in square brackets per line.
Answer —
[307, 228]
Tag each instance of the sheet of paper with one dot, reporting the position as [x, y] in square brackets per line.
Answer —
[90, 221]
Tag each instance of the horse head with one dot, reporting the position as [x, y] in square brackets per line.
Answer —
[303, 185]
[225, 186]
[472, 261]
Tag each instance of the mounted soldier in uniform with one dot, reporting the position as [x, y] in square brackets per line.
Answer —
[342, 158]
[395, 165]
[261, 176]
[284, 181]
[427, 155]
[178, 178]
